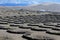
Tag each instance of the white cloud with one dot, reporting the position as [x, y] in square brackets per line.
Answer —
[25, 1]
[19, 1]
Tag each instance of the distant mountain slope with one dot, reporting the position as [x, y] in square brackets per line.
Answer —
[45, 6]
[39, 7]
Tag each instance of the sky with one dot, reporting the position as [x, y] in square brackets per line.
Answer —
[27, 2]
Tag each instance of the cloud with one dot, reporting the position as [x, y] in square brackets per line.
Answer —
[19, 1]
[27, 1]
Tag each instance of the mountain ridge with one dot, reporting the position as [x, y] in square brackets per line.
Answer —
[50, 7]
